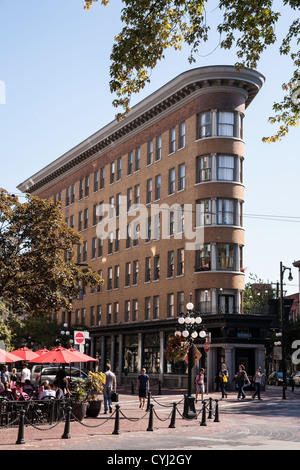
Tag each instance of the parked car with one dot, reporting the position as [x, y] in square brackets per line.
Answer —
[296, 378]
[276, 378]
[50, 372]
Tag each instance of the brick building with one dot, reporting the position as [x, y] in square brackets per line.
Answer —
[178, 155]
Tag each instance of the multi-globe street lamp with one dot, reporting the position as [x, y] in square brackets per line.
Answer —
[190, 327]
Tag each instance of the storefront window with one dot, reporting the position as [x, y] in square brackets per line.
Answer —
[131, 353]
[151, 358]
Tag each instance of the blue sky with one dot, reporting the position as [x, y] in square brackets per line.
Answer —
[54, 62]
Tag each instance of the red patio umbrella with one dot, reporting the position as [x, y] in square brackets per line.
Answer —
[24, 354]
[57, 355]
[81, 357]
[5, 356]
[42, 351]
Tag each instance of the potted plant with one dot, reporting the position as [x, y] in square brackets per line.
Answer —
[78, 398]
[176, 349]
[94, 386]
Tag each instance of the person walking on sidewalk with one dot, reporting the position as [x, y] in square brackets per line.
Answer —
[241, 378]
[143, 385]
[109, 387]
[200, 384]
[257, 383]
[223, 380]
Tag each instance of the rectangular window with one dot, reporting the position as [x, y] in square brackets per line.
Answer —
[150, 153]
[225, 256]
[111, 212]
[170, 306]
[170, 263]
[96, 181]
[203, 258]
[203, 212]
[180, 303]
[135, 273]
[226, 124]
[155, 307]
[127, 274]
[204, 125]
[100, 246]
[129, 199]
[110, 243]
[102, 177]
[117, 277]
[127, 310]
[157, 187]
[80, 221]
[119, 169]
[172, 181]
[181, 141]
[225, 212]
[149, 191]
[67, 196]
[147, 308]
[135, 309]
[156, 267]
[81, 189]
[180, 262]
[130, 162]
[158, 148]
[94, 247]
[148, 269]
[112, 173]
[137, 192]
[172, 140]
[108, 318]
[117, 240]
[116, 312]
[87, 186]
[203, 301]
[203, 169]
[86, 219]
[137, 159]
[226, 168]
[92, 316]
[85, 250]
[181, 177]
[98, 320]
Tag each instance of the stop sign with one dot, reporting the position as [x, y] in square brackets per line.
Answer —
[206, 346]
[79, 337]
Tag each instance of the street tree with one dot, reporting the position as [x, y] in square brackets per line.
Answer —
[249, 26]
[38, 272]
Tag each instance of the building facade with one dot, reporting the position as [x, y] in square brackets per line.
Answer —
[158, 200]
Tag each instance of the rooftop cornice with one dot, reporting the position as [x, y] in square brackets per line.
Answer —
[178, 91]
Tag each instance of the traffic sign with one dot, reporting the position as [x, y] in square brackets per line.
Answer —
[206, 346]
[79, 337]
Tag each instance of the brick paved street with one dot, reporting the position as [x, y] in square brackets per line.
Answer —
[271, 424]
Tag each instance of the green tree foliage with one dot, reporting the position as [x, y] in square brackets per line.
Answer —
[38, 273]
[249, 26]
[256, 296]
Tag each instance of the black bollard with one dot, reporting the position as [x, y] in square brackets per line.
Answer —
[216, 420]
[20, 439]
[210, 411]
[117, 420]
[148, 401]
[172, 423]
[150, 423]
[66, 434]
[203, 421]
[132, 387]
[159, 387]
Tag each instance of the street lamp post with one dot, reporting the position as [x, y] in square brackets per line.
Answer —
[189, 327]
[290, 278]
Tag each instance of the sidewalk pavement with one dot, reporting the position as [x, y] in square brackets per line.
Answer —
[272, 424]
